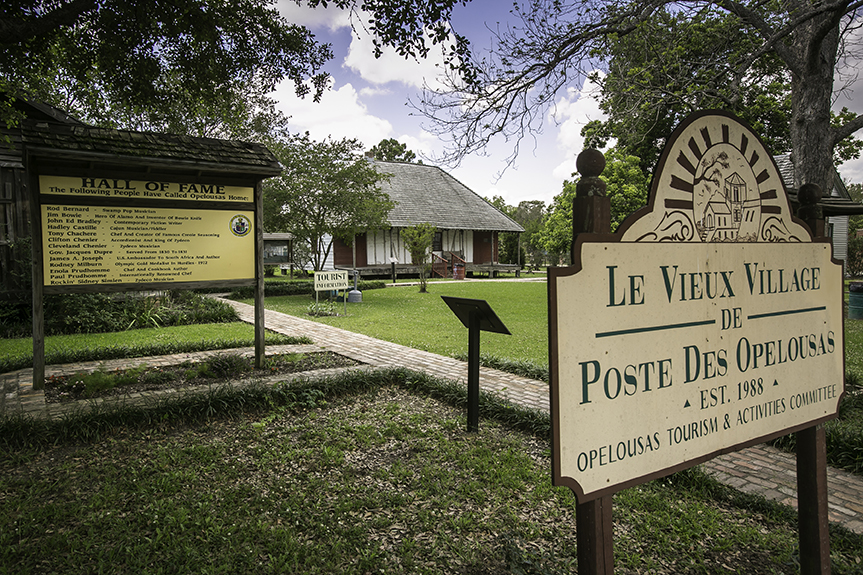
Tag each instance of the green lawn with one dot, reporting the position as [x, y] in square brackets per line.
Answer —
[423, 321]
[18, 353]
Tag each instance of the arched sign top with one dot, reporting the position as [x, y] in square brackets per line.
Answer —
[715, 182]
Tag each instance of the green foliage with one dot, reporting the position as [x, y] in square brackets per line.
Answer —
[323, 309]
[271, 481]
[100, 380]
[418, 241]
[627, 186]
[228, 364]
[96, 382]
[327, 188]
[391, 150]
[677, 62]
[101, 313]
[848, 148]
[530, 214]
[508, 248]
[627, 189]
[556, 233]
[186, 66]
[855, 222]
[197, 67]
[854, 257]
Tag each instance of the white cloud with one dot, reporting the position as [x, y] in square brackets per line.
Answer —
[339, 114]
[331, 18]
[852, 172]
[850, 84]
[575, 109]
[391, 67]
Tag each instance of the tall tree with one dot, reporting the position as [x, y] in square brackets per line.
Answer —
[626, 188]
[153, 58]
[327, 190]
[676, 63]
[530, 214]
[626, 185]
[673, 65]
[156, 63]
[391, 150]
[508, 91]
[508, 242]
[556, 233]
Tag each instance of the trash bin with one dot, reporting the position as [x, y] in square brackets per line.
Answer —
[458, 272]
[855, 300]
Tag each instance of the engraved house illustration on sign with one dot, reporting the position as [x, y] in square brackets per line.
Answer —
[718, 185]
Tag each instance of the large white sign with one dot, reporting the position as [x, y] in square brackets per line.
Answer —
[712, 321]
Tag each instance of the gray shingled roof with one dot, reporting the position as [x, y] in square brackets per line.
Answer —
[427, 194]
[88, 141]
[839, 201]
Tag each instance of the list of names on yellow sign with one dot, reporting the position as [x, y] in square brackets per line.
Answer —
[88, 245]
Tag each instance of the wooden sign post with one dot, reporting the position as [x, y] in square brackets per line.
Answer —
[712, 320]
[591, 214]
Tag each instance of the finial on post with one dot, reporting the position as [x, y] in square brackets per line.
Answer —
[590, 164]
[591, 208]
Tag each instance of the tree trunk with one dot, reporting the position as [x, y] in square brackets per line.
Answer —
[812, 89]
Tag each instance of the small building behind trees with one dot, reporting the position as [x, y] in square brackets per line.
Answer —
[467, 226]
[836, 203]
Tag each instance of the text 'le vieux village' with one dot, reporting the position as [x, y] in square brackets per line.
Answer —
[611, 382]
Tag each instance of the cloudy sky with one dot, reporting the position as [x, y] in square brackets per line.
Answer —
[369, 101]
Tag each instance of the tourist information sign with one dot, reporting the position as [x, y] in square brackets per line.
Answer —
[709, 322]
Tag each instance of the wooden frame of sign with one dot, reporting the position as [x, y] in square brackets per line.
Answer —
[711, 321]
[127, 211]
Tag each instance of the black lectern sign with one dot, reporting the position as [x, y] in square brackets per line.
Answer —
[477, 316]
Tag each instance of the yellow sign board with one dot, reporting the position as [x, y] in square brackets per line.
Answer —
[87, 245]
[709, 322]
[104, 188]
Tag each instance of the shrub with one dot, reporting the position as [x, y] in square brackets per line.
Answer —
[157, 377]
[323, 309]
[854, 261]
[228, 364]
[67, 314]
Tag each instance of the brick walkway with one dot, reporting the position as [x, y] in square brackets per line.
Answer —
[760, 469]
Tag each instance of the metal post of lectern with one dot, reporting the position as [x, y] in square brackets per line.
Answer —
[473, 373]
[476, 315]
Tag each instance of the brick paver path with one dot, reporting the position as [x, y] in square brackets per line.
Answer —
[760, 469]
